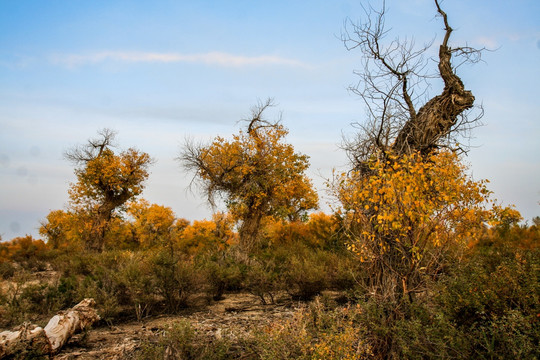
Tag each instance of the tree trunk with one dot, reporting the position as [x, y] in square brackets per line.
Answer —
[249, 231]
[438, 116]
[29, 341]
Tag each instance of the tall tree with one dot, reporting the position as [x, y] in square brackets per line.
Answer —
[408, 199]
[105, 182]
[256, 173]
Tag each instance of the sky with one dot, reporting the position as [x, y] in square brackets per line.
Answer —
[160, 72]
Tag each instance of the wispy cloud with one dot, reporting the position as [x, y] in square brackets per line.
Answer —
[210, 58]
[486, 42]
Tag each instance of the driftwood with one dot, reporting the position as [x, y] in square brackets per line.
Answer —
[32, 340]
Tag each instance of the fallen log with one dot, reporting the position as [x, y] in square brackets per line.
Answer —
[35, 341]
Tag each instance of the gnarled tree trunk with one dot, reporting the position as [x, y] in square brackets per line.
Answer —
[437, 117]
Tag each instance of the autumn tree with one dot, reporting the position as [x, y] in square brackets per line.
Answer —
[408, 199]
[404, 216]
[154, 224]
[60, 228]
[256, 173]
[205, 235]
[105, 182]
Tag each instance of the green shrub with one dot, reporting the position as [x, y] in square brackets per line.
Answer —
[181, 341]
[305, 277]
[263, 279]
[135, 273]
[222, 273]
[175, 278]
[7, 270]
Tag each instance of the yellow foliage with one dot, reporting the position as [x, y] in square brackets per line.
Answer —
[110, 178]
[405, 212]
[104, 184]
[154, 224]
[319, 231]
[22, 248]
[259, 174]
[205, 234]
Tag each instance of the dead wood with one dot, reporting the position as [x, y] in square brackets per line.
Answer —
[393, 84]
[439, 115]
[31, 340]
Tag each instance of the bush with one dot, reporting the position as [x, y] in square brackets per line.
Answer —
[7, 270]
[222, 273]
[315, 332]
[305, 277]
[263, 278]
[181, 341]
[175, 278]
[136, 274]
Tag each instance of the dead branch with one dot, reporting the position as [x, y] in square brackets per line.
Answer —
[33, 340]
[394, 81]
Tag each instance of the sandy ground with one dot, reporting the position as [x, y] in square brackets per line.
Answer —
[236, 315]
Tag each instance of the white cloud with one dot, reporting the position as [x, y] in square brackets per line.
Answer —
[210, 58]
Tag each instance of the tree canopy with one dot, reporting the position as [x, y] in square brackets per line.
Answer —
[256, 173]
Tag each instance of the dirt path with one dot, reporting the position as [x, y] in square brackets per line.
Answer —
[237, 315]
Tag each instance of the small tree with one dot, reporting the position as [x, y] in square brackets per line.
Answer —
[153, 225]
[404, 216]
[105, 182]
[256, 173]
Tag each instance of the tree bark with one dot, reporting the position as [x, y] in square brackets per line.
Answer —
[33, 341]
[437, 117]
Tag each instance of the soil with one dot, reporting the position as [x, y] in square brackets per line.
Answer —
[236, 315]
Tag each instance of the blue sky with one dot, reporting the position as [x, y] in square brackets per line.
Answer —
[159, 72]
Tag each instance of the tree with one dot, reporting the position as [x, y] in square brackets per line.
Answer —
[408, 199]
[256, 173]
[406, 215]
[58, 228]
[105, 182]
[393, 84]
[205, 235]
[154, 224]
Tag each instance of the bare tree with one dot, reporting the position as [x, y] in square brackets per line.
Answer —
[393, 84]
[82, 154]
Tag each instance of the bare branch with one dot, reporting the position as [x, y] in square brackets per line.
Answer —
[394, 81]
[81, 154]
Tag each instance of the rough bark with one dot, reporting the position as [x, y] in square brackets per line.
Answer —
[249, 231]
[30, 340]
[437, 117]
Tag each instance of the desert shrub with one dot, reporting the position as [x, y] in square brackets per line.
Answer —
[181, 341]
[175, 278]
[63, 293]
[343, 270]
[263, 275]
[7, 270]
[223, 272]
[315, 332]
[305, 276]
[493, 299]
[135, 273]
